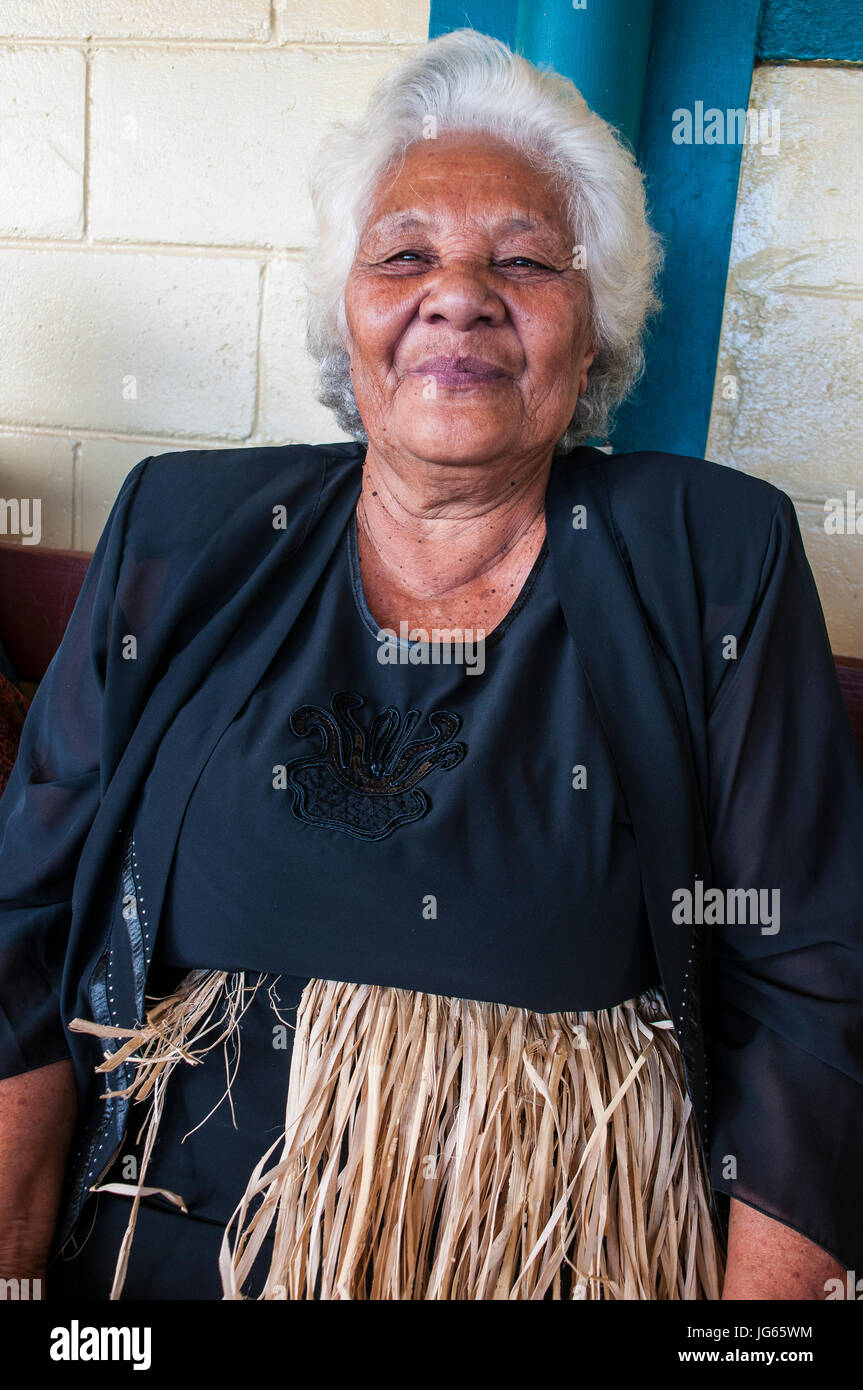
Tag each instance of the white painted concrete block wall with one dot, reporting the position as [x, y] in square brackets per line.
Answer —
[788, 399]
[153, 221]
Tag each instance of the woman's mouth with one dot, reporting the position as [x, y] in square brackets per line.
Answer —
[461, 372]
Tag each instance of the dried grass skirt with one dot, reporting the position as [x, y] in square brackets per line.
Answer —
[441, 1148]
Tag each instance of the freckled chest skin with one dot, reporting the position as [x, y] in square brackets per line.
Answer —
[466, 253]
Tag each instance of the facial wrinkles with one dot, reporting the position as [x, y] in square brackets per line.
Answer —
[484, 310]
[467, 288]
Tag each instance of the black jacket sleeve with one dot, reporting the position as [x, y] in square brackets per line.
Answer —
[47, 808]
[785, 1032]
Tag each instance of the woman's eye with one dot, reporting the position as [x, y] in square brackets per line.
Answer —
[524, 260]
[517, 262]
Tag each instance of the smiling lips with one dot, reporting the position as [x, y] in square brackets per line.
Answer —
[464, 372]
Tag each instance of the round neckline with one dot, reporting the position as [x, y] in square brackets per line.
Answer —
[371, 625]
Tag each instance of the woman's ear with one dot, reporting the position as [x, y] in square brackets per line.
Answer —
[585, 367]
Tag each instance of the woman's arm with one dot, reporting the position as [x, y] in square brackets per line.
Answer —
[785, 1028]
[46, 813]
[767, 1259]
[37, 1116]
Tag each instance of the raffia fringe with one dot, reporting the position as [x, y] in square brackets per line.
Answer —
[203, 1013]
[441, 1148]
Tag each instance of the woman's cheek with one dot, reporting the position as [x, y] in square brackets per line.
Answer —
[382, 317]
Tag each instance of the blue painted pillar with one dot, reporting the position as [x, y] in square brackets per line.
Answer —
[639, 63]
[601, 45]
[495, 17]
[701, 53]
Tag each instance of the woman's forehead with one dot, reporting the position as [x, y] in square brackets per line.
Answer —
[422, 219]
[478, 174]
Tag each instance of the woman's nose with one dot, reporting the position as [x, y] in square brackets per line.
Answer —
[461, 294]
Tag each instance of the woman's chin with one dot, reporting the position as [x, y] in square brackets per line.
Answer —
[473, 438]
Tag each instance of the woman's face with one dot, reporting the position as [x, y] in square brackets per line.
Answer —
[468, 326]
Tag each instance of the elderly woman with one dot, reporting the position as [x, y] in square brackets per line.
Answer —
[431, 869]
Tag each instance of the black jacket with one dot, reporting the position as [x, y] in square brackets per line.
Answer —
[686, 589]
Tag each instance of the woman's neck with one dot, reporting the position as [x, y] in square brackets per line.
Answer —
[448, 548]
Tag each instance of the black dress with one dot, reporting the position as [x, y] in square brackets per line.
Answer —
[410, 822]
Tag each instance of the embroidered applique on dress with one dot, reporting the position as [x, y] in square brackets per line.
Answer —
[365, 782]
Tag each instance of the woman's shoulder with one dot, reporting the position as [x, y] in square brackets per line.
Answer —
[704, 544]
[216, 487]
[174, 506]
[675, 511]
[199, 523]
[655, 480]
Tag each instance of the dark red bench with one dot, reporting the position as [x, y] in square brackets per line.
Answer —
[38, 589]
